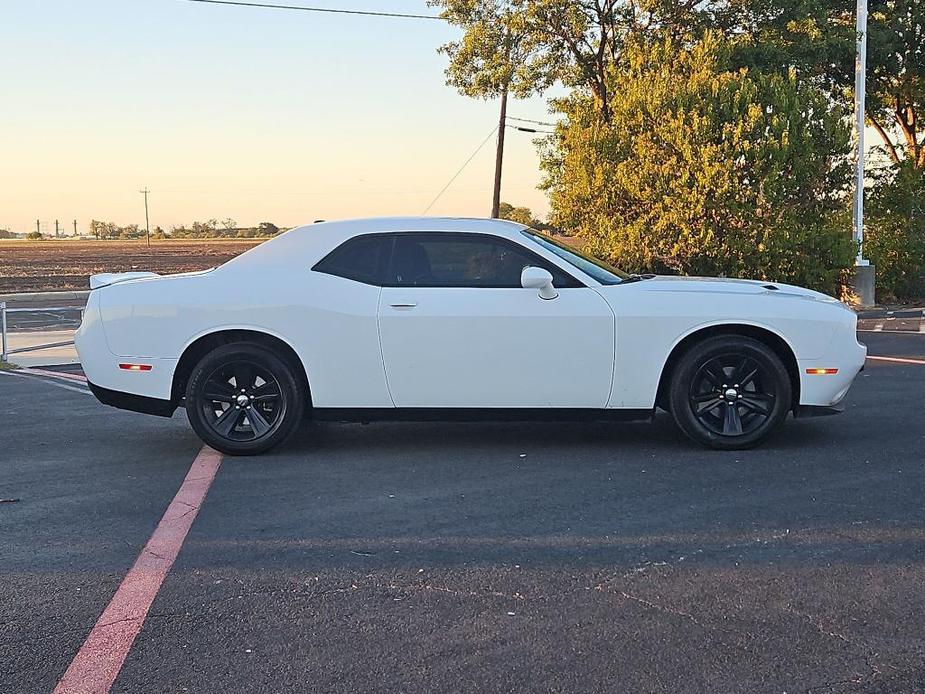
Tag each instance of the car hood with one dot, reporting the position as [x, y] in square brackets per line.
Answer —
[726, 285]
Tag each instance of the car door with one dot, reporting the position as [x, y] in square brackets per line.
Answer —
[458, 330]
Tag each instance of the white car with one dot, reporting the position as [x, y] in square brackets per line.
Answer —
[423, 318]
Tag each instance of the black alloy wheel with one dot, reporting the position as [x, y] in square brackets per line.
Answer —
[730, 392]
[731, 395]
[243, 399]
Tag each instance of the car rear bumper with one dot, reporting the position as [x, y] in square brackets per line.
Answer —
[804, 411]
[132, 402]
[110, 372]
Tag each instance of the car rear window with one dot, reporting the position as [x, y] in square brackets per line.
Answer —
[361, 259]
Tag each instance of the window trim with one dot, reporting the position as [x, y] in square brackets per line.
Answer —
[385, 264]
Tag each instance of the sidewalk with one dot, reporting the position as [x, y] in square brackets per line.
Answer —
[66, 296]
[44, 357]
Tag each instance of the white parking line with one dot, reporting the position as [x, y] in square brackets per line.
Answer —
[921, 331]
[51, 382]
[899, 360]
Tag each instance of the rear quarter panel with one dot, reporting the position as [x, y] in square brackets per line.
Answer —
[329, 322]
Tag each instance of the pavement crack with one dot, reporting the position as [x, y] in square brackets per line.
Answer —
[192, 509]
[662, 608]
[105, 625]
[818, 625]
[462, 593]
[155, 554]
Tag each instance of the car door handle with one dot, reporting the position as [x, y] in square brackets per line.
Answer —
[403, 304]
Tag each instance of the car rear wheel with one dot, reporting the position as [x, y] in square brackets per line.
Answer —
[730, 392]
[244, 399]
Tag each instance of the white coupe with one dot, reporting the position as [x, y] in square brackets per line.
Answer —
[423, 318]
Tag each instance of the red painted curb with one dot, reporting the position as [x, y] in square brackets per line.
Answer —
[55, 374]
[100, 658]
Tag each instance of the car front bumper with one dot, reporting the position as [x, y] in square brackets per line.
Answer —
[827, 390]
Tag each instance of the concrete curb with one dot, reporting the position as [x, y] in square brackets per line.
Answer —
[28, 297]
[891, 313]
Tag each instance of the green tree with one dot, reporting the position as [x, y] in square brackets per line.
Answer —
[204, 230]
[521, 215]
[529, 45]
[268, 229]
[705, 169]
[817, 39]
[895, 238]
[499, 52]
[896, 78]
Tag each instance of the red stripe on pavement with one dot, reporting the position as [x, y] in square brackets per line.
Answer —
[899, 360]
[100, 658]
[55, 374]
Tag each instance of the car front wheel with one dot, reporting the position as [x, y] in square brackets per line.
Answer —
[730, 392]
[244, 399]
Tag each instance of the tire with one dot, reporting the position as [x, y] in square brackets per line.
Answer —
[244, 399]
[730, 392]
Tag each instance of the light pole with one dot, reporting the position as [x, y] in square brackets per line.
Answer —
[860, 87]
[863, 280]
[147, 225]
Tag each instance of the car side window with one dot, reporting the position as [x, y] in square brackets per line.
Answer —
[361, 259]
[463, 260]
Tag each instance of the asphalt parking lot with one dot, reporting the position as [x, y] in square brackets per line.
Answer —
[476, 557]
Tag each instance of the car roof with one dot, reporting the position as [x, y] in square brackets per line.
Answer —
[311, 242]
[353, 227]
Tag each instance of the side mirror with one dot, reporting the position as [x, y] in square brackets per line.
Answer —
[539, 279]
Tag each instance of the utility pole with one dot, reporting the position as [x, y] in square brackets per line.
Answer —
[499, 157]
[147, 225]
[75, 227]
[57, 229]
[38, 227]
[864, 271]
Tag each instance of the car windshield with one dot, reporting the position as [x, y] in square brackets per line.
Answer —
[591, 266]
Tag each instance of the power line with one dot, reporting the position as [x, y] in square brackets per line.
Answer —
[273, 6]
[456, 175]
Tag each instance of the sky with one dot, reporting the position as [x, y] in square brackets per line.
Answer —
[254, 114]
